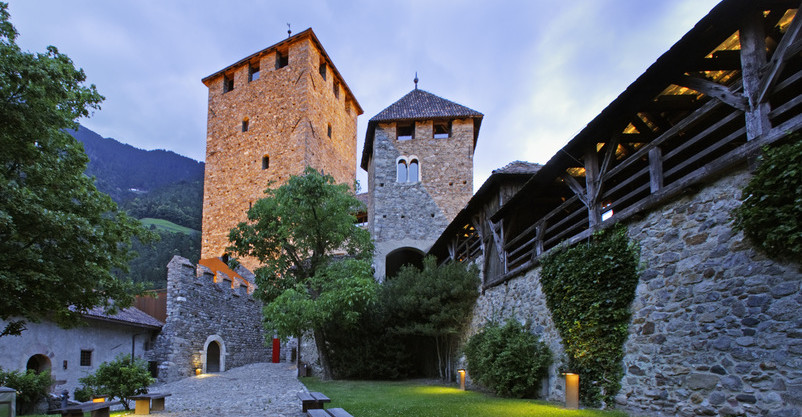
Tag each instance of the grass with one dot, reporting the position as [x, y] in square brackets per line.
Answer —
[412, 399]
[167, 225]
[113, 413]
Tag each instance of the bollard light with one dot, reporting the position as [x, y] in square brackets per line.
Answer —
[571, 390]
[461, 373]
[197, 371]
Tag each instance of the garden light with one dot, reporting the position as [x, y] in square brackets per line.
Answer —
[461, 373]
[571, 390]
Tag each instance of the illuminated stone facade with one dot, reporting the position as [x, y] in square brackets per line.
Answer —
[271, 115]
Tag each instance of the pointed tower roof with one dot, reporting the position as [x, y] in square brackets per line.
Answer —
[419, 105]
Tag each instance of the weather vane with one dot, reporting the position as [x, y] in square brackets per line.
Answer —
[289, 30]
[416, 80]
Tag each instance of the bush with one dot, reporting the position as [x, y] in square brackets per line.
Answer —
[508, 359]
[31, 387]
[83, 394]
[121, 378]
[771, 213]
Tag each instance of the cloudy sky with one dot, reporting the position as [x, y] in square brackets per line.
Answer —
[539, 70]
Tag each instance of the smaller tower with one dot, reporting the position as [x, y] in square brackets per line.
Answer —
[419, 158]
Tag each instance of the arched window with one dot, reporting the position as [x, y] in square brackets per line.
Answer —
[401, 171]
[413, 171]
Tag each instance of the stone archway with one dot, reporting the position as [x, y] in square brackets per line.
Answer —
[213, 356]
[400, 257]
[38, 363]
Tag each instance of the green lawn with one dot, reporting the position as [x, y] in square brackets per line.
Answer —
[113, 414]
[167, 225]
[411, 399]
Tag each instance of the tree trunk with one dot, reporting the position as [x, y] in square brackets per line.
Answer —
[439, 357]
[320, 342]
[298, 356]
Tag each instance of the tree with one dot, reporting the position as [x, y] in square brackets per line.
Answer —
[435, 302]
[316, 263]
[60, 238]
[121, 378]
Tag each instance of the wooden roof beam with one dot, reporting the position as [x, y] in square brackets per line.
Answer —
[781, 54]
[724, 60]
[714, 90]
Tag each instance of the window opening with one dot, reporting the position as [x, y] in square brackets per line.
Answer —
[413, 170]
[86, 358]
[282, 59]
[336, 90]
[401, 171]
[442, 130]
[405, 131]
[253, 72]
[322, 70]
[265, 162]
[228, 83]
[328, 132]
[245, 124]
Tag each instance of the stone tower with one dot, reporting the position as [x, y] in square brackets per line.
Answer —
[419, 158]
[270, 115]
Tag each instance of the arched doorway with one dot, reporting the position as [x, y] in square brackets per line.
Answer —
[213, 357]
[38, 363]
[400, 257]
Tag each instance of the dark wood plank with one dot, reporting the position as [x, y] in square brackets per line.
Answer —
[753, 58]
[655, 169]
[781, 54]
[714, 90]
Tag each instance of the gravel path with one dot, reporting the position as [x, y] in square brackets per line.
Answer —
[257, 390]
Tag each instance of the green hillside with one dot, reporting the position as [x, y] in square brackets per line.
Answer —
[167, 225]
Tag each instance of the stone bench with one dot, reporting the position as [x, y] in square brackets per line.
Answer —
[312, 400]
[100, 409]
[332, 412]
[145, 403]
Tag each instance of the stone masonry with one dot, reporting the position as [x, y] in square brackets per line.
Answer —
[715, 327]
[195, 319]
[271, 126]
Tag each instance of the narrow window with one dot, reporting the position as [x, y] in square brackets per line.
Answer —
[336, 90]
[253, 72]
[401, 171]
[322, 69]
[442, 130]
[86, 358]
[405, 131]
[329, 131]
[245, 124]
[265, 162]
[413, 170]
[228, 83]
[282, 59]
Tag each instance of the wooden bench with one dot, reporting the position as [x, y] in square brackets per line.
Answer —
[145, 403]
[332, 412]
[312, 400]
[78, 410]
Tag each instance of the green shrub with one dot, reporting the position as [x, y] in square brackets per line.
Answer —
[121, 378]
[508, 359]
[83, 394]
[589, 288]
[771, 213]
[31, 387]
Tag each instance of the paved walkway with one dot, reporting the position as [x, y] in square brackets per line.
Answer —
[257, 390]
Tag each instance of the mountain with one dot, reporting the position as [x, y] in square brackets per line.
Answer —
[124, 172]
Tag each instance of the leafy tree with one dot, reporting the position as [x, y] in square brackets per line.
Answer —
[32, 386]
[435, 302]
[508, 359]
[59, 237]
[121, 378]
[150, 267]
[316, 263]
[771, 213]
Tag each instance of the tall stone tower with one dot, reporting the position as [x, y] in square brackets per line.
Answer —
[419, 158]
[272, 114]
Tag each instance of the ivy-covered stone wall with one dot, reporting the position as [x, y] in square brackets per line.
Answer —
[716, 326]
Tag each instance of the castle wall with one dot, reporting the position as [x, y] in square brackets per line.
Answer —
[200, 311]
[288, 111]
[715, 325]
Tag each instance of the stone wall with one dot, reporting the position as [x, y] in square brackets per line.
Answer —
[715, 327]
[289, 111]
[199, 312]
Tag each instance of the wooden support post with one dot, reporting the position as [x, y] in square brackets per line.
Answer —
[539, 231]
[785, 49]
[753, 58]
[593, 186]
[655, 169]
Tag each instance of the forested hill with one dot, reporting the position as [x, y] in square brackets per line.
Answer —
[123, 171]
